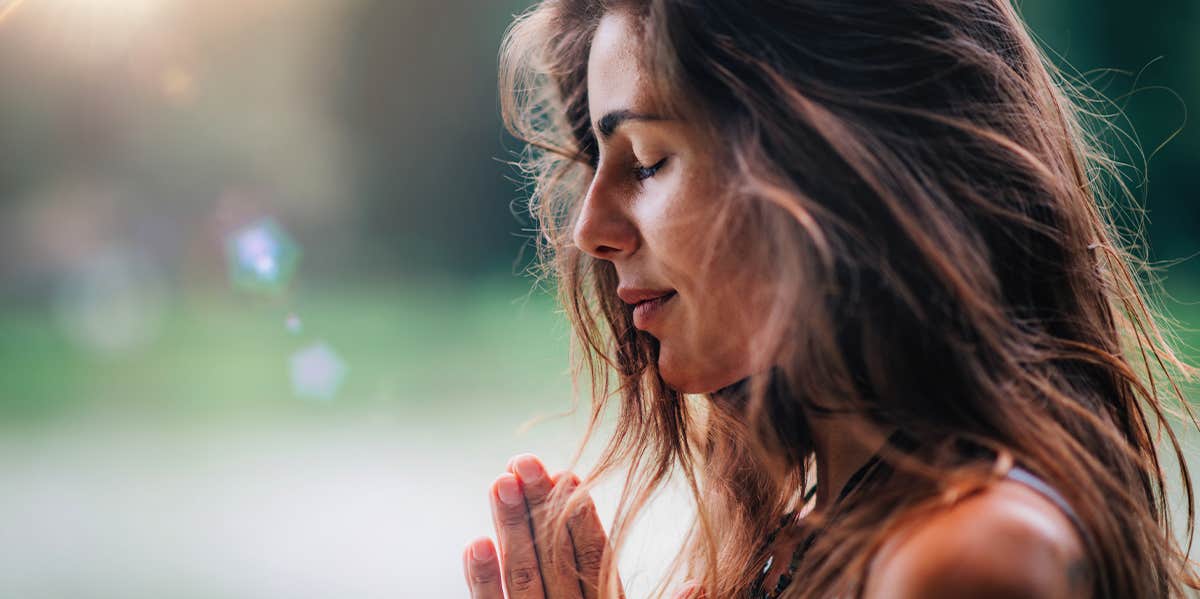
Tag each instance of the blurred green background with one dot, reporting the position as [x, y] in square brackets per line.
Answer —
[153, 440]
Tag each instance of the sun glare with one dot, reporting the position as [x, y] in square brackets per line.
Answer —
[7, 7]
[90, 30]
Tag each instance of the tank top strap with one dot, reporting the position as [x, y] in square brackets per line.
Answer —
[1029, 479]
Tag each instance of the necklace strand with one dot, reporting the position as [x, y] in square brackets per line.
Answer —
[756, 591]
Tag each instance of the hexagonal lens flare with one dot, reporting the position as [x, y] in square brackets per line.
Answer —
[262, 257]
[317, 372]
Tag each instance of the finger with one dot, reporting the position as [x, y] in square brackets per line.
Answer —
[555, 552]
[518, 558]
[591, 543]
[482, 569]
[690, 590]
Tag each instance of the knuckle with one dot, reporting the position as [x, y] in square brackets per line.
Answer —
[590, 557]
[513, 517]
[554, 537]
[483, 576]
[522, 578]
[536, 497]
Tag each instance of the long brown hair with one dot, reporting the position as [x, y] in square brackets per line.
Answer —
[934, 198]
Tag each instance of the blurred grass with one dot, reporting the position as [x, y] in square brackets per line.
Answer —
[433, 347]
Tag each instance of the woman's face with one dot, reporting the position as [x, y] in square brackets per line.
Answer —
[649, 211]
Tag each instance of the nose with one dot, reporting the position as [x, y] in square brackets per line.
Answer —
[604, 229]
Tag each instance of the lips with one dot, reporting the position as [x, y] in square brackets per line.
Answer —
[637, 295]
[647, 312]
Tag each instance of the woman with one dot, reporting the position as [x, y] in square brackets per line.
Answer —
[852, 267]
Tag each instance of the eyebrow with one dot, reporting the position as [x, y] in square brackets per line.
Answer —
[609, 122]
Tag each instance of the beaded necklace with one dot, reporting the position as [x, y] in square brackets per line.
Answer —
[756, 591]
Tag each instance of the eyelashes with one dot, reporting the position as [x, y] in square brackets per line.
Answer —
[645, 172]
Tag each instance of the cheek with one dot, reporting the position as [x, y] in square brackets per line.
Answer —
[705, 346]
[708, 351]
[677, 212]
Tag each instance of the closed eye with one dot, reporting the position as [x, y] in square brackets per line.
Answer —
[645, 172]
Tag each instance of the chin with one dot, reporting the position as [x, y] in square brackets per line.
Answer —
[673, 373]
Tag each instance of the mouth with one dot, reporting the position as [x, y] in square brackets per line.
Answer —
[646, 312]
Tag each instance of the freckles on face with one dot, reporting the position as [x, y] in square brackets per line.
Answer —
[657, 225]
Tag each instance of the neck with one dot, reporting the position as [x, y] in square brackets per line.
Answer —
[842, 444]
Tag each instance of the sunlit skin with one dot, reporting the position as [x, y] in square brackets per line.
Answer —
[1006, 541]
[646, 222]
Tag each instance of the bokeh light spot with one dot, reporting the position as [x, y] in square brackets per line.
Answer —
[262, 257]
[317, 372]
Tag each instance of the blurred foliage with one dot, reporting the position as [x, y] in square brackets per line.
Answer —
[371, 128]
[1145, 57]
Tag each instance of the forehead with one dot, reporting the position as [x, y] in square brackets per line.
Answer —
[615, 76]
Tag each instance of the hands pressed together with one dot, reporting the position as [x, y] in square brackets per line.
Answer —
[524, 500]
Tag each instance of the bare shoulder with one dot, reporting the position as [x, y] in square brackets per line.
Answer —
[1005, 541]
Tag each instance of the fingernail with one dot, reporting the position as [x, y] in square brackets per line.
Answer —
[571, 479]
[509, 492]
[482, 551]
[563, 481]
[529, 469]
